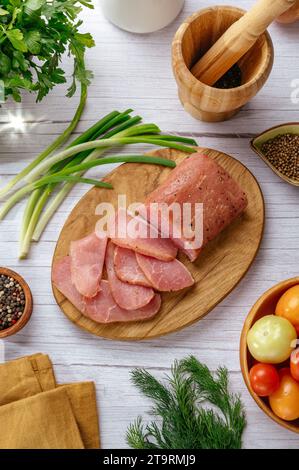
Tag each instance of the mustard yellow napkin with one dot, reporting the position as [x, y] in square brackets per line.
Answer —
[25, 377]
[36, 413]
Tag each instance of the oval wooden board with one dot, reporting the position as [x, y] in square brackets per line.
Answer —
[219, 268]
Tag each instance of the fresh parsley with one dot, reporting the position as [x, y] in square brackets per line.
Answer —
[34, 34]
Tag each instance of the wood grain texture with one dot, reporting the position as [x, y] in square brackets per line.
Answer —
[265, 305]
[135, 71]
[216, 272]
[194, 39]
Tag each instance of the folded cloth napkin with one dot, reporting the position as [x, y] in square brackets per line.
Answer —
[36, 413]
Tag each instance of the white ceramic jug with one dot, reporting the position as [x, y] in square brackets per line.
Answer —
[141, 16]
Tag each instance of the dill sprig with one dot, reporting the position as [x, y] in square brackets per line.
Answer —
[183, 418]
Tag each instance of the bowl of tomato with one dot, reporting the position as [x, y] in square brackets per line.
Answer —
[269, 353]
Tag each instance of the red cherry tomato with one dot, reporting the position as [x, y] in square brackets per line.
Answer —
[294, 364]
[264, 379]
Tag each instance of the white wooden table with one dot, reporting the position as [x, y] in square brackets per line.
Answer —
[135, 71]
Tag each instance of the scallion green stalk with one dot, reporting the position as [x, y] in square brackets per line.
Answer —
[61, 195]
[89, 162]
[37, 200]
[68, 166]
[28, 211]
[67, 176]
[116, 159]
[56, 144]
[112, 142]
[38, 221]
[59, 178]
[26, 238]
[57, 201]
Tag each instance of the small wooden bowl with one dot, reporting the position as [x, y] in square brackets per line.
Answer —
[264, 306]
[258, 142]
[194, 37]
[28, 304]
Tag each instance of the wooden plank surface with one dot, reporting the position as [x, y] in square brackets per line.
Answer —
[135, 71]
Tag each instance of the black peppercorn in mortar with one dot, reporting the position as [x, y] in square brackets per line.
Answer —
[12, 301]
[231, 79]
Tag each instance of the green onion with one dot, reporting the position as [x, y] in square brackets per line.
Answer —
[175, 138]
[38, 199]
[118, 159]
[66, 176]
[29, 209]
[42, 222]
[113, 142]
[67, 167]
[58, 178]
[83, 156]
[57, 143]
[112, 119]
[59, 198]
[27, 235]
[56, 202]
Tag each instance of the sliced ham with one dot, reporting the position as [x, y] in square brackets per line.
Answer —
[200, 179]
[61, 278]
[102, 308]
[150, 243]
[165, 276]
[127, 269]
[126, 295]
[87, 261]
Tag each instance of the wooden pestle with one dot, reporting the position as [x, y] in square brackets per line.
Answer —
[238, 39]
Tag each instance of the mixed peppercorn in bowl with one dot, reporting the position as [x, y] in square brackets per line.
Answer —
[15, 302]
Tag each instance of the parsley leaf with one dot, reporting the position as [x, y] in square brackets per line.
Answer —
[34, 36]
[17, 39]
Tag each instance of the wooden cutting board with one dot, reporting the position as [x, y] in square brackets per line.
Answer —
[219, 268]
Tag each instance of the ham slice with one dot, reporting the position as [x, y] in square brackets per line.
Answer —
[199, 179]
[87, 261]
[61, 278]
[102, 308]
[165, 276]
[126, 295]
[127, 269]
[150, 243]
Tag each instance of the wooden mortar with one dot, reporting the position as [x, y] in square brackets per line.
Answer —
[192, 40]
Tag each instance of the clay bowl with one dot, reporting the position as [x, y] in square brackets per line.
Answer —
[194, 37]
[28, 305]
[264, 306]
[258, 142]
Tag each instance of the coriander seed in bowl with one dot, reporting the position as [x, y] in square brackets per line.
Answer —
[279, 148]
[15, 302]
[283, 153]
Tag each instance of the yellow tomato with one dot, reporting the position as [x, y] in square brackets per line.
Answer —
[285, 400]
[288, 306]
[271, 339]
